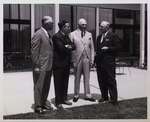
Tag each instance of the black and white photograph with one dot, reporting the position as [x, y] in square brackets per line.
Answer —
[75, 61]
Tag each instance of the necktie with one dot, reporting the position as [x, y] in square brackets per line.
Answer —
[82, 33]
[66, 38]
[49, 35]
[49, 38]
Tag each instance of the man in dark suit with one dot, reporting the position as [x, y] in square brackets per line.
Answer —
[61, 63]
[42, 55]
[107, 45]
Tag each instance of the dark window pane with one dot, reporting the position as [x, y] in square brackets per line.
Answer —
[14, 37]
[126, 36]
[25, 12]
[136, 42]
[6, 27]
[120, 33]
[123, 13]
[124, 17]
[14, 11]
[105, 14]
[6, 11]
[137, 17]
[25, 37]
[65, 13]
[124, 21]
[7, 39]
[17, 57]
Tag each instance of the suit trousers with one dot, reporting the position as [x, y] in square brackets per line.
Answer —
[106, 78]
[83, 67]
[42, 80]
[61, 79]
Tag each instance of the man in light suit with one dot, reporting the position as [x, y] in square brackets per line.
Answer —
[108, 44]
[42, 55]
[82, 57]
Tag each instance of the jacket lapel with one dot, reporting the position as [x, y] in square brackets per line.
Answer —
[104, 39]
[47, 37]
[62, 37]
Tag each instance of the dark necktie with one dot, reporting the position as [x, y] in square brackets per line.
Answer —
[49, 35]
[49, 39]
[82, 33]
[66, 38]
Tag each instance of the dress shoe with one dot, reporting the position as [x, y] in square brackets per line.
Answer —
[90, 99]
[67, 102]
[59, 107]
[102, 100]
[75, 99]
[38, 110]
[47, 107]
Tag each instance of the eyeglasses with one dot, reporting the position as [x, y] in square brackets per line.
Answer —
[83, 24]
[102, 27]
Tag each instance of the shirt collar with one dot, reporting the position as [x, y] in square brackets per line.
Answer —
[80, 30]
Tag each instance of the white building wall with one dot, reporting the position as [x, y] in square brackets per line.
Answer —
[148, 60]
[1, 61]
[97, 22]
[142, 35]
[32, 20]
[56, 17]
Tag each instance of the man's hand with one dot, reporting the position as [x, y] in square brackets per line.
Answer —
[36, 69]
[68, 46]
[92, 65]
[105, 48]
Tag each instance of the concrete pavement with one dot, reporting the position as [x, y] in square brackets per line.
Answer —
[18, 89]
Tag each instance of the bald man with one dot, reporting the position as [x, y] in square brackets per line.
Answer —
[107, 45]
[42, 55]
[82, 57]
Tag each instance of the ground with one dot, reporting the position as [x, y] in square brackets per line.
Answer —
[127, 109]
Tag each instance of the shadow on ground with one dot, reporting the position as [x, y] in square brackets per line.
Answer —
[70, 97]
[127, 109]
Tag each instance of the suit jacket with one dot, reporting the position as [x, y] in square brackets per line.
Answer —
[62, 55]
[112, 41]
[80, 44]
[42, 50]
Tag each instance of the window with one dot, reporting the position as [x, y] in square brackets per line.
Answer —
[105, 14]
[65, 12]
[17, 37]
[126, 26]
